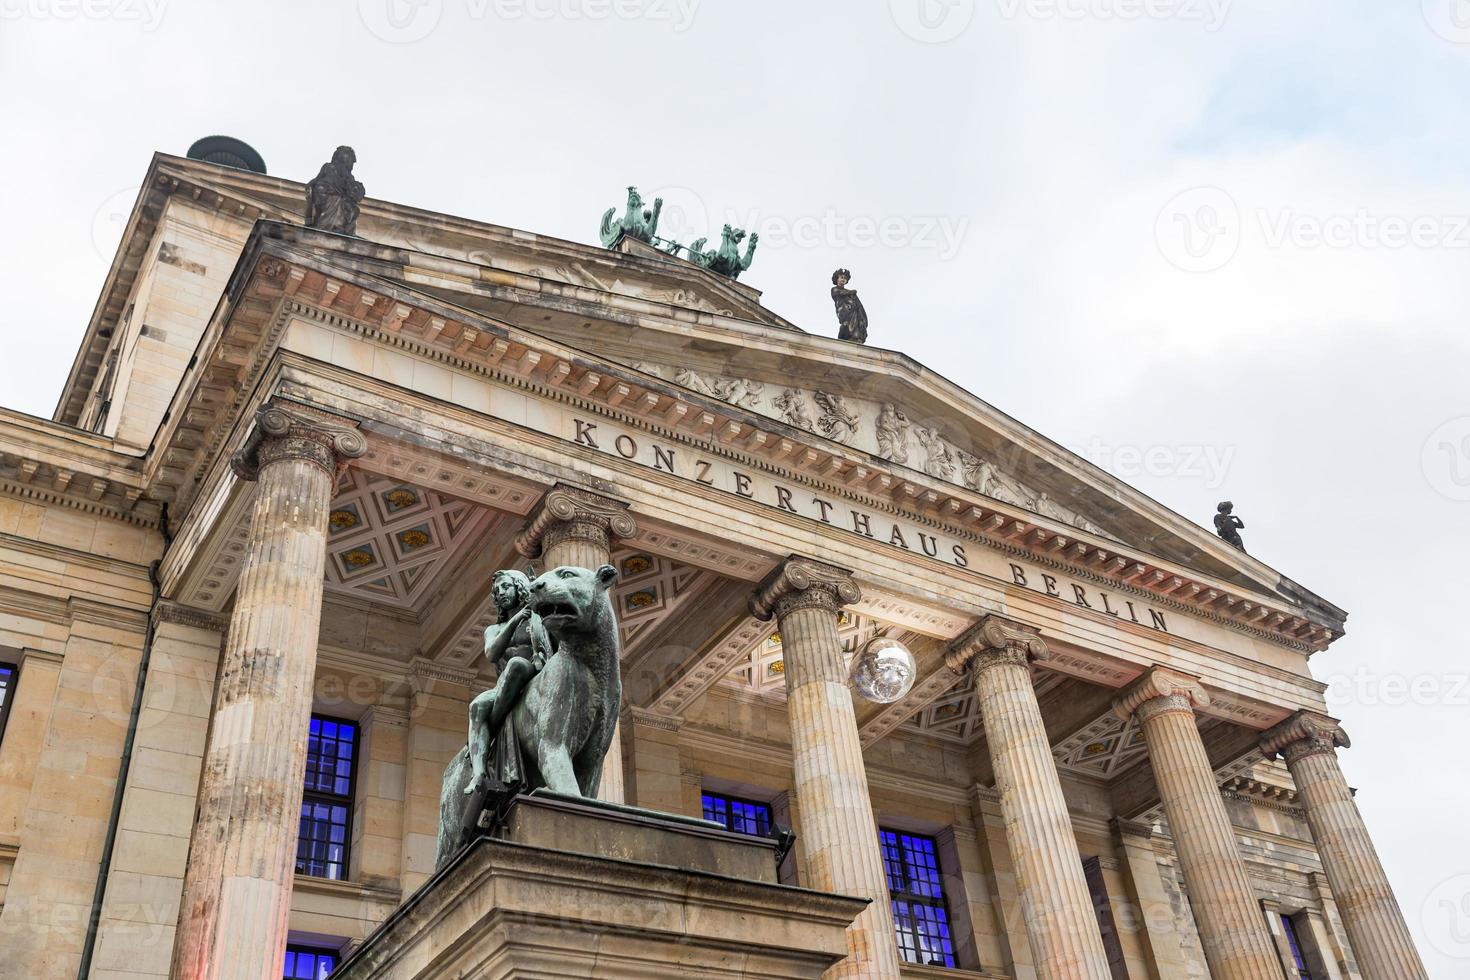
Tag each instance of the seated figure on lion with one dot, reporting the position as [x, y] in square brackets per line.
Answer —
[518, 645]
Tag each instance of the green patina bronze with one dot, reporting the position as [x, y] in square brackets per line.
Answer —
[636, 222]
[550, 719]
[726, 260]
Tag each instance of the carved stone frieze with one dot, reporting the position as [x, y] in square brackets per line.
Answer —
[287, 431]
[801, 583]
[892, 427]
[792, 406]
[939, 459]
[836, 420]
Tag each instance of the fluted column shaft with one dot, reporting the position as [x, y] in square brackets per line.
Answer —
[1061, 924]
[1232, 928]
[242, 857]
[576, 528]
[1365, 899]
[831, 783]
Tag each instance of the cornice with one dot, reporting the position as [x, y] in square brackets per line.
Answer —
[399, 317]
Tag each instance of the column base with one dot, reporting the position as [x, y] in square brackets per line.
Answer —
[582, 888]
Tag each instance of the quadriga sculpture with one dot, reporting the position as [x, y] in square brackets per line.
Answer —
[559, 729]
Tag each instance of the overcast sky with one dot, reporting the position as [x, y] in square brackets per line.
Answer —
[1220, 247]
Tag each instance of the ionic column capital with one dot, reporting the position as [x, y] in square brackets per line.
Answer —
[803, 583]
[571, 512]
[1158, 690]
[1304, 733]
[995, 640]
[286, 430]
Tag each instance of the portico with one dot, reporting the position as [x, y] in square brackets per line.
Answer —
[368, 431]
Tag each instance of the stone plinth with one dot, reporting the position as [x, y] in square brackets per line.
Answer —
[578, 888]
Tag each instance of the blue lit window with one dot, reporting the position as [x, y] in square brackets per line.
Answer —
[8, 674]
[326, 806]
[919, 913]
[1298, 961]
[304, 963]
[738, 816]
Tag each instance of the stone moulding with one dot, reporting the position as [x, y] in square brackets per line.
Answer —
[497, 350]
[568, 505]
[803, 582]
[1304, 733]
[1003, 636]
[289, 431]
[1160, 682]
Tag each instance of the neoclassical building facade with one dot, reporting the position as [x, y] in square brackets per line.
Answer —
[245, 571]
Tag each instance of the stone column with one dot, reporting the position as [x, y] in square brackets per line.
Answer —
[1061, 927]
[1231, 927]
[578, 527]
[831, 783]
[1153, 919]
[1365, 900]
[237, 890]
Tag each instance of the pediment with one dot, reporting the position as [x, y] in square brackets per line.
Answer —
[885, 429]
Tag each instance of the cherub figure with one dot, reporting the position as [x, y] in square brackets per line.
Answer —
[518, 644]
[1227, 525]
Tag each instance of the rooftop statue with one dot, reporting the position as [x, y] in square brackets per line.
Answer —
[726, 260]
[334, 197]
[852, 319]
[636, 222]
[550, 719]
[1227, 524]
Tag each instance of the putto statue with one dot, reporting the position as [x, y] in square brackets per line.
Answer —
[726, 260]
[334, 197]
[1227, 525]
[852, 319]
[543, 726]
[636, 222]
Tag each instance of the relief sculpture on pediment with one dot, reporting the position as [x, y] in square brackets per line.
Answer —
[893, 431]
[939, 460]
[837, 422]
[791, 404]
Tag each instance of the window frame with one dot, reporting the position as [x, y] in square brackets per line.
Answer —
[348, 802]
[309, 950]
[11, 684]
[1298, 948]
[727, 798]
[913, 898]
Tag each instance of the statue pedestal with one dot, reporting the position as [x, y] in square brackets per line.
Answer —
[582, 888]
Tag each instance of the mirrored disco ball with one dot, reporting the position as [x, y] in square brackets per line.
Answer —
[884, 670]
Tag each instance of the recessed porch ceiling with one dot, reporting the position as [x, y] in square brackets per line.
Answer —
[390, 541]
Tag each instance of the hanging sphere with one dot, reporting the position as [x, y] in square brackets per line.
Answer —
[884, 670]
